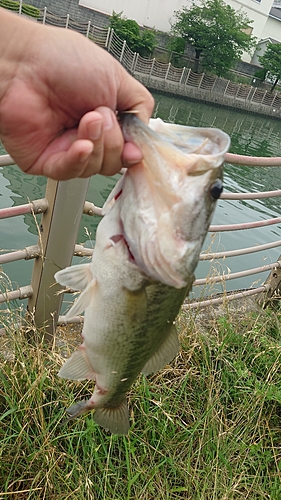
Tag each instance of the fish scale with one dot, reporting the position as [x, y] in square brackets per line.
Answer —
[147, 248]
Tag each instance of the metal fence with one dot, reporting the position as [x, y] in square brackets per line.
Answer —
[184, 78]
[58, 231]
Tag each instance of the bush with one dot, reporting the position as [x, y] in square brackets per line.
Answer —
[141, 41]
[28, 10]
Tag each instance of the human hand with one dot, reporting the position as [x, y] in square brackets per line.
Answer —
[59, 94]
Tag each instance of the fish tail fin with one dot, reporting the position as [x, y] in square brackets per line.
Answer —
[116, 420]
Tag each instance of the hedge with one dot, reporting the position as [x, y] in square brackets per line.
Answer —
[28, 10]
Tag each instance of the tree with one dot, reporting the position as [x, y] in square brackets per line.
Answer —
[271, 62]
[216, 31]
[141, 41]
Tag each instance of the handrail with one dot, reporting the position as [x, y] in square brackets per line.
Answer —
[34, 207]
[21, 293]
[253, 161]
[244, 225]
[26, 254]
[240, 274]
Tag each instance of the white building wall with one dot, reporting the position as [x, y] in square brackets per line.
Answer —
[272, 29]
[257, 12]
[149, 13]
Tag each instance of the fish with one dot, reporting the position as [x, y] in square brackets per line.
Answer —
[146, 251]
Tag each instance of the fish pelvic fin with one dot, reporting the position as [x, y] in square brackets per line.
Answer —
[83, 300]
[167, 351]
[75, 277]
[116, 419]
[77, 367]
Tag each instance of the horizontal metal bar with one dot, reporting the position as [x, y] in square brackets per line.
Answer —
[253, 161]
[81, 251]
[240, 274]
[221, 300]
[36, 207]
[6, 160]
[241, 251]
[22, 293]
[250, 196]
[91, 209]
[245, 225]
[26, 254]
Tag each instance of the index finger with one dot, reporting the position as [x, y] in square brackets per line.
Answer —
[133, 96]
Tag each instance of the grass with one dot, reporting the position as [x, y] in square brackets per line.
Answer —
[207, 427]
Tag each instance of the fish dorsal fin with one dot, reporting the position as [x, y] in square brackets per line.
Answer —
[83, 300]
[115, 419]
[167, 351]
[77, 367]
[75, 277]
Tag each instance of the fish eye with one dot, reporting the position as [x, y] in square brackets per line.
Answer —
[216, 189]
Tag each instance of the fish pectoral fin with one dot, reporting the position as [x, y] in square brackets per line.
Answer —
[116, 420]
[167, 351]
[75, 277]
[83, 300]
[77, 367]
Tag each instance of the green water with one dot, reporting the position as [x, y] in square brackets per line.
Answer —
[250, 135]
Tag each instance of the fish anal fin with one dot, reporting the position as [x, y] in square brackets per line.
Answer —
[115, 419]
[167, 351]
[83, 301]
[77, 367]
[75, 277]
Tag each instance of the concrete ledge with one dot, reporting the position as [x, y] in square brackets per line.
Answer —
[182, 91]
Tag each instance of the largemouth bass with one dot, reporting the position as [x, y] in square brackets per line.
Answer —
[147, 247]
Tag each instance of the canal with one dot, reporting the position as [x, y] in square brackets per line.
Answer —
[250, 135]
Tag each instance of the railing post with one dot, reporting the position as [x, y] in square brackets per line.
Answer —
[167, 72]
[133, 62]
[201, 80]
[188, 73]
[57, 238]
[88, 29]
[151, 69]
[109, 38]
[20, 8]
[122, 51]
[67, 21]
[181, 78]
[44, 15]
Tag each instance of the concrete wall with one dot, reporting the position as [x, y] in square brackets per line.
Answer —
[71, 7]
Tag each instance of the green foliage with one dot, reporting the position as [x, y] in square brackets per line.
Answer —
[141, 41]
[261, 73]
[216, 31]
[271, 61]
[28, 10]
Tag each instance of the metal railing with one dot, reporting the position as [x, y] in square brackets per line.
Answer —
[160, 74]
[56, 246]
